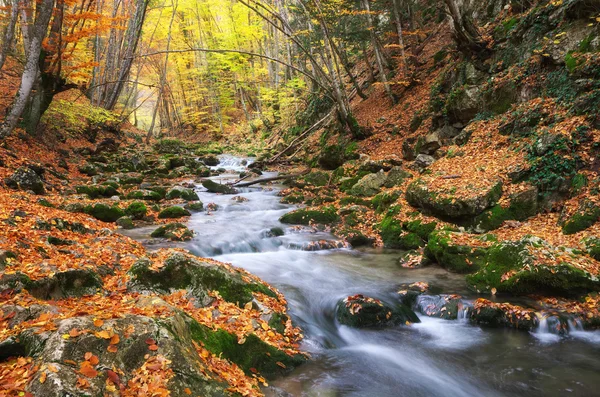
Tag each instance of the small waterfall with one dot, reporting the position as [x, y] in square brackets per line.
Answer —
[464, 311]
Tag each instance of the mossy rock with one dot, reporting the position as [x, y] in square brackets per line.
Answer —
[254, 355]
[587, 215]
[592, 245]
[360, 311]
[61, 224]
[180, 192]
[173, 232]
[404, 235]
[214, 187]
[439, 306]
[276, 232]
[420, 195]
[59, 241]
[95, 191]
[173, 212]
[317, 178]
[348, 200]
[104, 212]
[293, 199]
[195, 206]
[125, 222]
[146, 195]
[326, 216]
[454, 257]
[530, 266]
[72, 283]
[89, 169]
[369, 185]
[137, 210]
[184, 272]
[396, 177]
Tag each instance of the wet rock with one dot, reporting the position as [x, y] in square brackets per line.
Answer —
[173, 232]
[408, 293]
[453, 256]
[493, 314]
[306, 216]
[214, 187]
[195, 206]
[360, 311]
[173, 212]
[275, 232]
[420, 195]
[25, 178]
[239, 199]
[447, 307]
[414, 259]
[181, 192]
[210, 161]
[318, 245]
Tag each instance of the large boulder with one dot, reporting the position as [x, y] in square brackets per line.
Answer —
[181, 192]
[446, 205]
[361, 311]
[369, 185]
[25, 178]
[533, 266]
[198, 277]
[215, 187]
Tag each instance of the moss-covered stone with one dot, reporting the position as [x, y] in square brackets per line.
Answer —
[72, 283]
[454, 257]
[59, 241]
[317, 178]
[125, 222]
[195, 206]
[104, 212]
[137, 210]
[95, 191]
[369, 185]
[173, 212]
[592, 245]
[184, 272]
[147, 195]
[529, 266]
[420, 195]
[173, 232]
[305, 216]
[251, 356]
[293, 199]
[180, 192]
[383, 201]
[215, 187]
[360, 311]
[587, 214]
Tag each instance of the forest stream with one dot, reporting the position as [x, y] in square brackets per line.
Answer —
[435, 357]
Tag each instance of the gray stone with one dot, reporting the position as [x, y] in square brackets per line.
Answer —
[424, 161]
[369, 185]
[24, 178]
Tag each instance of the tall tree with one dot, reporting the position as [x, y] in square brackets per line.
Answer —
[43, 13]
[9, 33]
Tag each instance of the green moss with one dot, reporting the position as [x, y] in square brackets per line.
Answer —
[317, 178]
[277, 322]
[582, 220]
[179, 192]
[383, 201]
[95, 191]
[592, 245]
[196, 206]
[104, 213]
[456, 258]
[276, 232]
[578, 183]
[423, 230]
[169, 145]
[304, 216]
[173, 212]
[293, 199]
[137, 210]
[390, 230]
[353, 200]
[174, 232]
[252, 355]
[147, 195]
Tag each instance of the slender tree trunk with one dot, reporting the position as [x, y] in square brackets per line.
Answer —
[9, 34]
[397, 15]
[378, 55]
[132, 38]
[28, 79]
[26, 25]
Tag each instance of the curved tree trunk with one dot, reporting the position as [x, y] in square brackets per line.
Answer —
[31, 70]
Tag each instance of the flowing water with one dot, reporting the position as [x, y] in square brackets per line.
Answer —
[433, 358]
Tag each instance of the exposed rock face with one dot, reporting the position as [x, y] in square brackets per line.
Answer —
[364, 312]
[25, 178]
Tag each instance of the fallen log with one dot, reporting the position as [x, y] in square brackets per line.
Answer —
[271, 179]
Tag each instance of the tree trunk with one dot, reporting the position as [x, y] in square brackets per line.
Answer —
[30, 72]
[397, 15]
[466, 34]
[132, 38]
[9, 34]
[378, 55]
